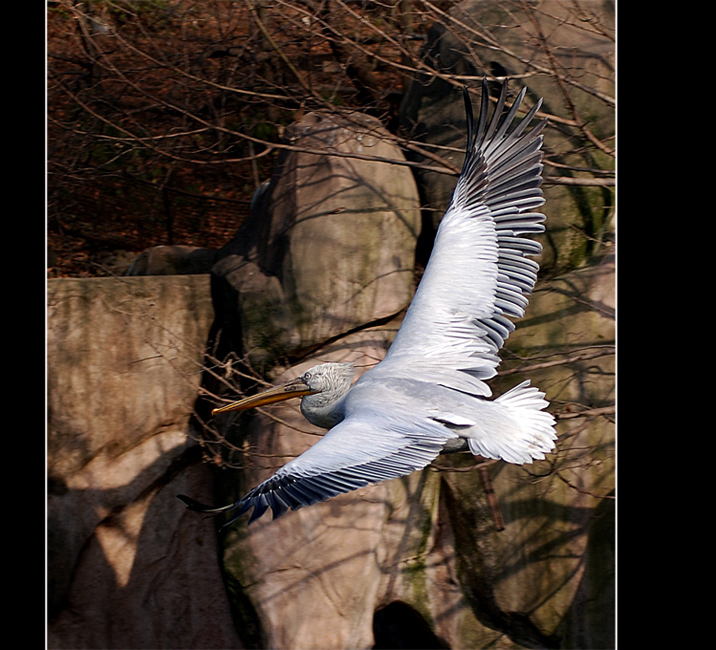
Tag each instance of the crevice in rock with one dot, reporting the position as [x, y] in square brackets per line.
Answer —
[398, 625]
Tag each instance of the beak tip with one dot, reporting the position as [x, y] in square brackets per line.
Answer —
[220, 409]
[276, 394]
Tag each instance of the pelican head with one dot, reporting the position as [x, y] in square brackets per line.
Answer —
[322, 388]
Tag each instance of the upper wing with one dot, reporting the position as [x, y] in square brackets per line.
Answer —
[478, 273]
[374, 443]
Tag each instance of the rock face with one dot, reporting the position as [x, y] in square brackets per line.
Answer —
[321, 271]
[173, 260]
[414, 561]
[432, 109]
[126, 567]
[330, 244]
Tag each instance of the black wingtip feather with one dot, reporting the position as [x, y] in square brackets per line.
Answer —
[497, 113]
[470, 123]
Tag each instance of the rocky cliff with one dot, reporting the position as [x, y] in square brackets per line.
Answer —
[465, 554]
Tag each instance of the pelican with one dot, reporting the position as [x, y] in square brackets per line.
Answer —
[428, 395]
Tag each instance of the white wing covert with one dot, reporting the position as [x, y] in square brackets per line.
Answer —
[478, 274]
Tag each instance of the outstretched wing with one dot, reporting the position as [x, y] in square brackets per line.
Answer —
[479, 274]
[374, 444]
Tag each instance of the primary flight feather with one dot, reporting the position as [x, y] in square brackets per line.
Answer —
[429, 393]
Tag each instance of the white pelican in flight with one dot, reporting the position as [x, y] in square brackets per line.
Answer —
[428, 394]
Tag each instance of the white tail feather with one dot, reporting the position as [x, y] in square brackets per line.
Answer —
[520, 430]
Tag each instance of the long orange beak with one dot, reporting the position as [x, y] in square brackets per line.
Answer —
[294, 388]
